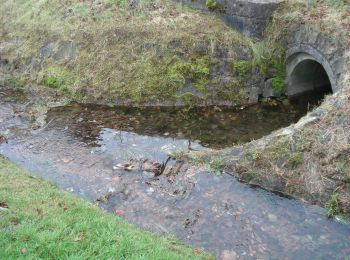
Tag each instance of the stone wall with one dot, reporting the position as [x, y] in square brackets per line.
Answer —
[249, 17]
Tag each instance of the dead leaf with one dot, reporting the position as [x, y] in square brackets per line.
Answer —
[66, 160]
[80, 237]
[26, 238]
[120, 212]
[24, 250]
[217, 109]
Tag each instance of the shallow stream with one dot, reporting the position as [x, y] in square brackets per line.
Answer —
[110, 156]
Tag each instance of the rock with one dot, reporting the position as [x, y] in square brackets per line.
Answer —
[248, 17]
[46, 51]
[269, 90]
[272, 218]
[66, 51]
[305, 121]
[228, 255]
[254, 95]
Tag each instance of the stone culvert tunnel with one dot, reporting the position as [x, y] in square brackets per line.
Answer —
[314, 62]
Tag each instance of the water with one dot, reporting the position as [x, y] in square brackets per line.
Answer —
[109, 156]
[211, 127]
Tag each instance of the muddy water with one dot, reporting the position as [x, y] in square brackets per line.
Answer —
[109, 157]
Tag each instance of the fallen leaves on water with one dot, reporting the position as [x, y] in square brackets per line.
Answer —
[66, 160]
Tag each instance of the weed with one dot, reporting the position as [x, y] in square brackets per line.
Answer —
[255, 155]
[242, 68]
[296, 159]
[52, 82]
[12, 82]
[216, 164]
[270, 56]
[178, 154]
[332, 205]
[213, 6]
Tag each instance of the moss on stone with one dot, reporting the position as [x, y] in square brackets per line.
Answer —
[213, 5]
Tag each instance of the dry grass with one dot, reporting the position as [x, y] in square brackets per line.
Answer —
[329, 16]
[122, 49]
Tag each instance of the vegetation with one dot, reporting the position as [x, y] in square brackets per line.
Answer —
[213, 5]
[142, 52]
[38, 221]
[332, 205]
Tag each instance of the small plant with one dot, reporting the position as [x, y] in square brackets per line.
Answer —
[216, 164]
[213, 5]
[178, 154]
[52, 82]
[197, 160]
[254, 155]
[13, 82]
[266, 58]
[332, 205]
[242, 68]
[296, 159]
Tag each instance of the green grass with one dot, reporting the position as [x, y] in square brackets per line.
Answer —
[122, 52]
[42, 222]
[332, 205]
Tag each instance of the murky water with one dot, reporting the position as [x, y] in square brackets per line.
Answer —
[110, 157]
[212, 127]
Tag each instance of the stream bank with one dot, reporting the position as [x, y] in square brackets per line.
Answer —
[119, 171]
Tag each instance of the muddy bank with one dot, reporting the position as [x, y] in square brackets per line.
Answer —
[117, 169]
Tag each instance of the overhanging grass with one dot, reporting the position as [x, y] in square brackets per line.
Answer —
[43, 222]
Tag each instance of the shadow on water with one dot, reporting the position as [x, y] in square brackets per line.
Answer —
[81, 147]
[211, 127]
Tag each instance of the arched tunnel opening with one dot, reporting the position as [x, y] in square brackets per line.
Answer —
[308, 84]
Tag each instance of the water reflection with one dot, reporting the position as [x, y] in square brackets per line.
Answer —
[209, 127]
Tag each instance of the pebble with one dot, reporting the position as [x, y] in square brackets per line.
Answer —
[111, 189]
[272, 217]
[150, 191]
[228, 255]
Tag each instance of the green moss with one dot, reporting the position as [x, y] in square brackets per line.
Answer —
[242, 68]
[213, 5]
[270, 56]
[189, 99]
